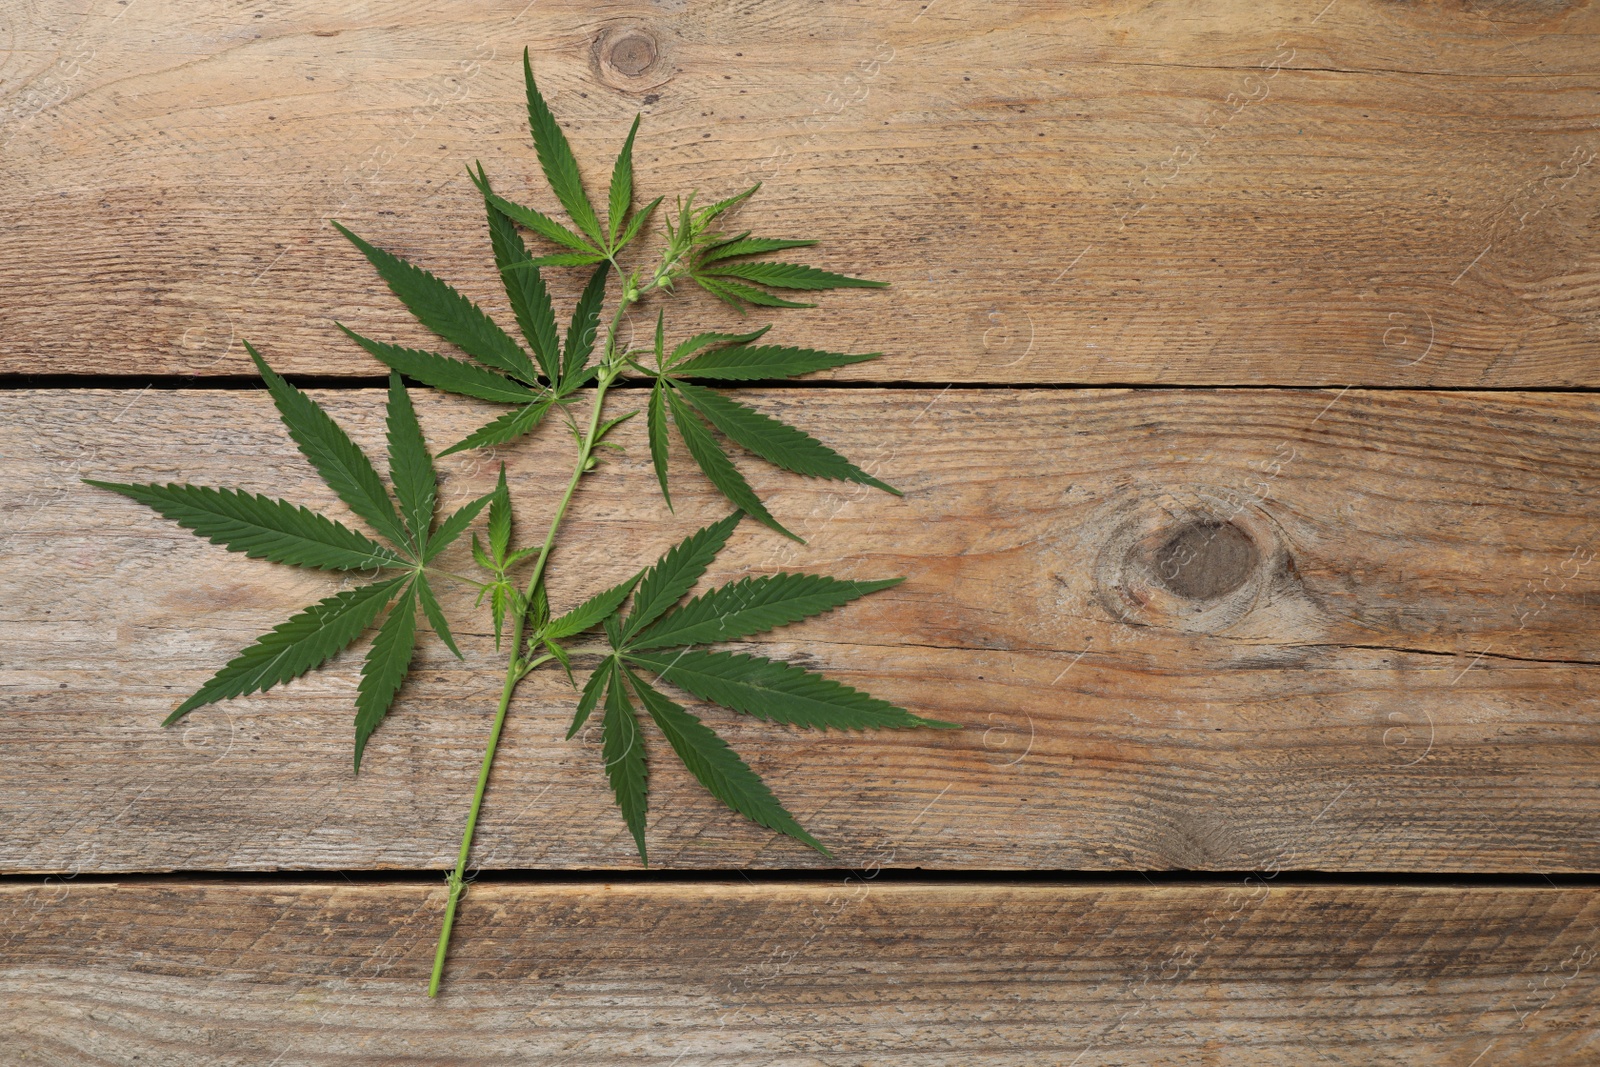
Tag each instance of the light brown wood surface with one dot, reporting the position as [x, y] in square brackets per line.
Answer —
[850, 973]
[1346, 629]
[1268, 193]
[1403, 679]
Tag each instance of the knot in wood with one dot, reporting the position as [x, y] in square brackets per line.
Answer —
[630, 55]
[1206, 560]
[1192, 558]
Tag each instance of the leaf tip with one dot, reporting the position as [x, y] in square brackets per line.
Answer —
[196, 700]
[363, 735]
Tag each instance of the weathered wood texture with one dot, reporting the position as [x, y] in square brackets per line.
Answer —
[1196, 629]
[1238, 193]
[800, 976]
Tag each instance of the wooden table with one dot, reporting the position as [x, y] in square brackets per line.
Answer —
[1310, 292]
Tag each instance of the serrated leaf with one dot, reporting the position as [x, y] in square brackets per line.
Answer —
[343, 466]
[752, 606]
[776, 442]
[777, 692]
[499, 597]
[452, 527]
[791, 276]
[710, 214]
[717, 467]
[442, 372]
[562, 658]
[481, 558]
[622, 748]
[717, 241]
[507, 428]
[621, 191]
[306, 640]
[718, 767]
[562, 259]
[635, 223]
[591, 695]
[611, 424]
[538, 222]
[701, 340]
[675, 573]
[446, 312]
[749, 246]
[522, 554]
[525, 288]
[585, 324]
[656, 424]
[540, 609]
[500, 517]
[593, 611]
[732, 292]
[260, 527]
[416, 486]
[765, 362]
[685, 223]
[387, 664]
[435, 613]
[555, 159]
[578, 381]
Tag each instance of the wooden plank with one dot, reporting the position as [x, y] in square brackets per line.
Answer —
[1370, 194]
[1384, 661]
[790, 975]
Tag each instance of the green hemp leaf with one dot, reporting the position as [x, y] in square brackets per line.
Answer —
[721, 264]
[657, 644]
[690, 407]
[657, 637]
[277, 530]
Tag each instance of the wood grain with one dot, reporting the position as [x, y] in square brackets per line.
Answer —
[1375, 194]
[1385, 660]
[786, 975]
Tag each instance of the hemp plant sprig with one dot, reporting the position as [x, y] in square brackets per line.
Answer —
[653, 637]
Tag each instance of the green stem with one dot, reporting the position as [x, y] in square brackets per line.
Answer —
[516, 669]
[585, 451]
[513, 675]
[610, 368]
